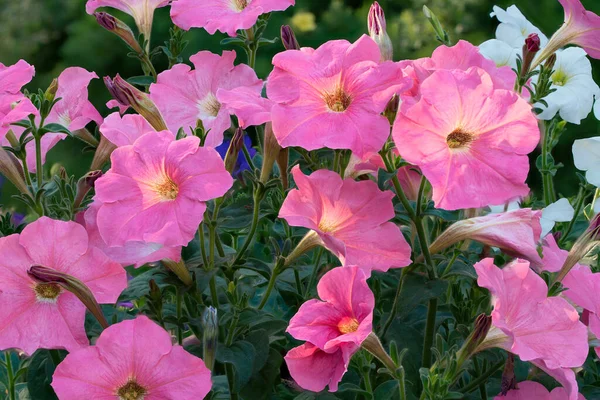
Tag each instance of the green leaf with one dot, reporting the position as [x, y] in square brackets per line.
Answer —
[386, 391]
[142, 80]
[418, 290]
[241, 355]
[139, 286]
[260, 385]
[260, 341]
[39, 375]
[55, 128]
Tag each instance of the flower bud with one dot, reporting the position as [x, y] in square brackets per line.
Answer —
[392, 109]
[377, 31]
[179, 269]
[582, 246]
[530, 49]
[119, 28]
[270, 153]
[549, 64]
[102, 154]
[210, 336]
[84, 135]
[282, 161]
[483, 323]
[231, 157]
[126, 94]
[51, 91]
[84, 185]
[71, 284]
[288, 38]
[12, 170]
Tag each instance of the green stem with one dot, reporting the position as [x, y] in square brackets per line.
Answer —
[38, 161]
[12, 395]
[298, 282]
[548, 185]
[581, 196]
[402, 383]
[26, 172]
[255, 213]
[271, 284]
[450, 263]
[482, 378]
[228, 367]
[367, 382]
[429, 332]
[213, 291]
[202, 244]
[179, 315]
[313, 275]
[394, 310]
[248, 157]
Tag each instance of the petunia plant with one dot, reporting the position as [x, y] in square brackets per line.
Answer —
[349, 226]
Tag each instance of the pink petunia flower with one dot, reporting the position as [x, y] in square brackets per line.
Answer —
[156, 189]
[469, 139]
[336, 326]
[14, 106]
[530, 390]
[124, 130]
[14, 77]
[333, 96]
[410, 181]
[528, 323]
[186, 97]
[247, 104]
[565, 376]
[226, 16]
[135, 253]
[370, 163]
[42, 315]
[133, 359]
[350, 218]
[142, 11]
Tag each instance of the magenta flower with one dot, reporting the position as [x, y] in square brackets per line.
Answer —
[133, 359]
[469, 139]
[156, 189]
[124, 130]
[226, 16]
[336, 326]
[333, 96]
[43, 315]
[247, 105]
[532, 325]
[530, 390]
[186, 97]
[565, 376]
[350, 218]
[135, 253]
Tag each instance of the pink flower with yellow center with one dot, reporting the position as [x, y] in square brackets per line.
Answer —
[350, 218]
[156, 189]
[132, 360]
[333, 327]
[333, 96]
[469, 139]
[43, 315]
[226, 16]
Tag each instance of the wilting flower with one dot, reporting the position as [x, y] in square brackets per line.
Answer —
[530, 390]
[226, 16]
[572, 80]
[378, 32]
[333, 327]
[333, 96]
[369, 164]
[124, 130]
[142, 11]
[586, 154]
[156, 190]
[186, 97]
[43, 315]
[349, 217]
[133, 359]
[247, 104]
[559, 211]
[469, 139]
[528, 323]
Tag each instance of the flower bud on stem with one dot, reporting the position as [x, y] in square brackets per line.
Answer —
[84, 185]
[210, 336]
[179, 269]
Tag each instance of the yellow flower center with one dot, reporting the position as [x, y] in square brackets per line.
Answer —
[131, 391]
[348, 325]
[458, 139]
[239, 5]
[167, 189]
[47, 292]
[559, 78]
[338, 100]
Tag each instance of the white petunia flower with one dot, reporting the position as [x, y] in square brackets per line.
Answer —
[514, 27]
[500, 52]
[560, 211]
[586, 153]
[597, 106]
[511, 206]
[575, 87]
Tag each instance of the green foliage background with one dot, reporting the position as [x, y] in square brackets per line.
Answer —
[55, 34]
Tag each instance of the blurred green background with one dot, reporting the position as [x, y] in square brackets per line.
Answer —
[55, 34]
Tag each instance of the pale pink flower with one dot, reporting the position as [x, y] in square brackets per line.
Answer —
[410, 181]
[186, 97]
[336, 325]
[14, 77]
[226, 16]
[156, 189]
[469, 139]
[334, 96]
[133, 359]
[135, 253]
[553, 256]
[247, 105]
[41, 315]
[370, 163]
[565, 376]
[350, 217]
[14, 106]
[533, 326]
[530, 390]
[124, 130]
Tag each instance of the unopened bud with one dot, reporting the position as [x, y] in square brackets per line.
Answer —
[392, 109]
[288, 38]
[308, 242]
[12, 170]
[126, 94]
[270, 153]
[155, 292]
[483, 323]
[532, 43]
[530, 49]
[440, 32]
[179, 269]
[119, 28]
[378, 32]
[233, 152]
[373, 345]
[102, 154]
[549, 64]
[210, 336]
[84, 185]
[86, 136]
[51, 91]
[70, 283]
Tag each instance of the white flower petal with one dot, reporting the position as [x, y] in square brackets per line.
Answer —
[499, 52]
[586, 154]
[559, 211]
[514, 27]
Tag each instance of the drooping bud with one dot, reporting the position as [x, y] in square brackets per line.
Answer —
[71, 284]
[179, 269]
[288, 38]
[586, 243]
[233, 152]
[84, 185]
[210, 336]
[270, 153]
[126, 94]
[530, 49]
[12, 170]
[102, 154]
[86, 136]
[483, 323]
[51, 91]
[378, 31]
[119, 28]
